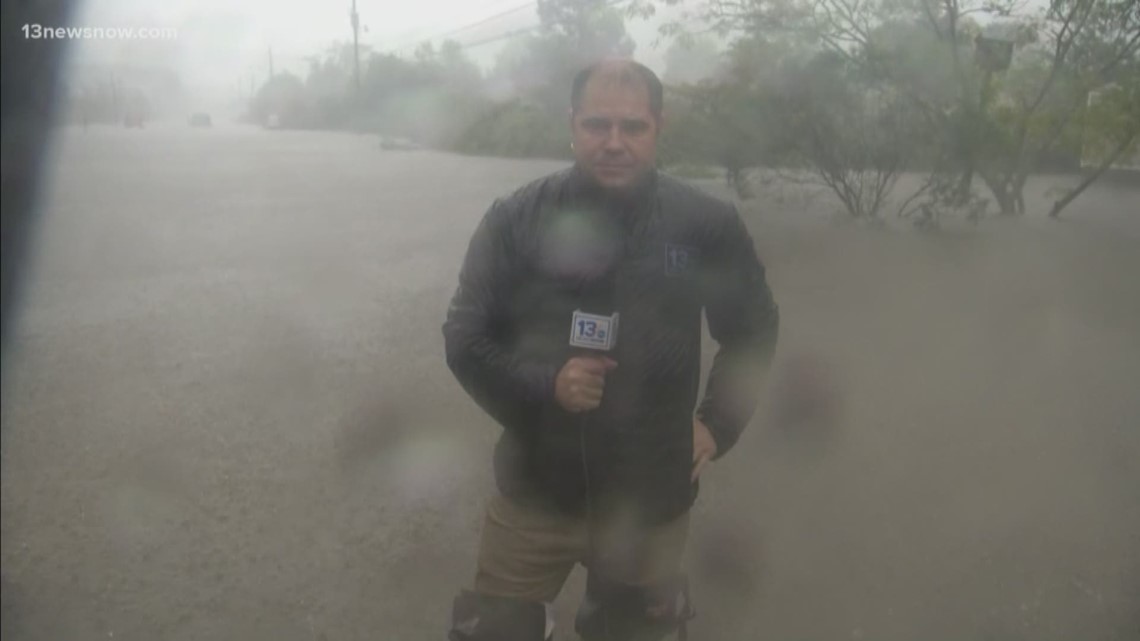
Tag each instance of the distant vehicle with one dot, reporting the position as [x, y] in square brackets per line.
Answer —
[399, 144]
[201, 120]
[273, 121]
[133, 119]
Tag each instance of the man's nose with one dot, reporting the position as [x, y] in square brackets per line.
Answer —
[613, 139]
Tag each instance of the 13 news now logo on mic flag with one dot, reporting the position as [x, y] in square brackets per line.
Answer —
[594, 331]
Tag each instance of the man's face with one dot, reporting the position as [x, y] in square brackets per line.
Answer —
[615, 133]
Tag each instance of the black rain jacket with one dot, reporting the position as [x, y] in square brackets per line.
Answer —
[658, 258]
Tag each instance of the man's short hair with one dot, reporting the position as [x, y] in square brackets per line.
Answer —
[625, 72]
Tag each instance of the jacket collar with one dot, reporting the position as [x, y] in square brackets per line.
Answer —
[582, 186]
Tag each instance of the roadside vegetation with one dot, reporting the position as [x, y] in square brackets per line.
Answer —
[976, 95]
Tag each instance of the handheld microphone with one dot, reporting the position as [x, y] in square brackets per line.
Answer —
[591, 333]
[594, 331]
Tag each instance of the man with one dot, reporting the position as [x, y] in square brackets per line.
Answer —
[577, 326]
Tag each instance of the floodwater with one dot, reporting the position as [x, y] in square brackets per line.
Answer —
[226, 413]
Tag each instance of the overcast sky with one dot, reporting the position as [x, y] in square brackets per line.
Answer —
[222, 41]
[223, 45]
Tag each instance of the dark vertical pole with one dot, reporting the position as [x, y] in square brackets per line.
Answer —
[28, 105]
[354, 116]
[355, 49]
[115, 98]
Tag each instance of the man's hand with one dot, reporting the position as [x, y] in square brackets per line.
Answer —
[704, 447]
[580, 382]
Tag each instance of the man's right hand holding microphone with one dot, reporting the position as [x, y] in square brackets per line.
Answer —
[581, 381]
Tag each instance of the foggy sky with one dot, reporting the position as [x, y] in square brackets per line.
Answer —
[222, 46]
[225, 43]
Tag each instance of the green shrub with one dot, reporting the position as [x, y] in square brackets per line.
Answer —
[516, 129]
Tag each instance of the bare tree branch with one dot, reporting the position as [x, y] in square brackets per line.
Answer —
[1063, 202]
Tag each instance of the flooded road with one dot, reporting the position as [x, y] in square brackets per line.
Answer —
[226, 413]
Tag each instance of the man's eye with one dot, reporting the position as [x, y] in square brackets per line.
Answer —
[596, 126]
[634, 127]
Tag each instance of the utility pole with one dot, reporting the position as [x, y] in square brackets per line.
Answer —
[271, 63]
[114, 97]
[355, 19]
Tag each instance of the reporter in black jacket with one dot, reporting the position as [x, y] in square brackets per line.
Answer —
[577, 326]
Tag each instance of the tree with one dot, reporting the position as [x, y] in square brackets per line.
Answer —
[716, 123]
[328, 87]
[729, 119]
[775, 102]
[539, 70]
[283, 96]
[855, 136]
[432, 97]
[572, 34]
[1084, 45]
[690, 60]
[998, 123]
[1111, 125]
[457, 70]
[592, 28]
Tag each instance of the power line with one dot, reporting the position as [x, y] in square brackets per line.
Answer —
[407, 42]
[408, 36]
[503, 36]
[518, 32]
[489, 19]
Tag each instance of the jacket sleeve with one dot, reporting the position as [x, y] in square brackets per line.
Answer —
[743, 319]
[508, 387]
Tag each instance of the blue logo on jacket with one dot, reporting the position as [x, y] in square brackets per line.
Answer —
[679, 259]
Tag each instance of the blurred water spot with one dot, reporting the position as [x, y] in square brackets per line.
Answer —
[580, 244]
[422, 468]
[806, 399]
[381, 442]
[366, 433]
[727, 554]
